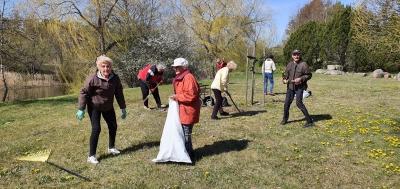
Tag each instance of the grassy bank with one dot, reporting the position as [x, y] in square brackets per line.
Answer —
[353, 145]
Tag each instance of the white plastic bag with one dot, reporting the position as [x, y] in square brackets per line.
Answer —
[172, 144]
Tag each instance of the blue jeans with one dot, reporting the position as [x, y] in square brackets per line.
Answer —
[270, 77]
[187, 132]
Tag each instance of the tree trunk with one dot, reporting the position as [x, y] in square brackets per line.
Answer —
[3, 78]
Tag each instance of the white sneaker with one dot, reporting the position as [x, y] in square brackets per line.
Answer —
[113, 151]
[92, 159]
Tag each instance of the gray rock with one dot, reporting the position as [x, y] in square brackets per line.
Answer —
[378, 73]
[320, 71]
[334, 72]
[387, 75]
[333, 67]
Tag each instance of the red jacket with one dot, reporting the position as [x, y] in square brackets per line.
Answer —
[187, 93]
[150, 75]
[221, 64]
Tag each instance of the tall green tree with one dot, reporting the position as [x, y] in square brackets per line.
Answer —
[219, 26]
[336, 36]
[376, 26]
[306, 39]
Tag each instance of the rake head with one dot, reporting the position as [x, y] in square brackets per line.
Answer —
[41, 156]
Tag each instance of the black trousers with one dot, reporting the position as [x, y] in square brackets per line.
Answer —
[218, 103]
[109, 117]
[145, 92]
[299, 102]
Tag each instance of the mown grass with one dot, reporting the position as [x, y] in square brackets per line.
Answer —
[353, 145]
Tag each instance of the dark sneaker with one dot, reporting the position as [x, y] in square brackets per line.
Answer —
[308, 124]
[310, 93]
[283, 122]
[215, 118]
[224, 113]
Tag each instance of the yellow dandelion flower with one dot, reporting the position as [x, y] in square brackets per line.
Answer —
[287, 159]
[176, 186]
[207, 173]
[38, 139]
[16, 165]
[68, 177]
[327, 168]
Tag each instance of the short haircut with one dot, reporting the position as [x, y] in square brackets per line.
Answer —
[231, 65]
[161, 66]
[102, 59]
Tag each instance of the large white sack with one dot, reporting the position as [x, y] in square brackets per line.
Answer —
[172, 144]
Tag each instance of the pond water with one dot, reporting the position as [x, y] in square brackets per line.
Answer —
[33, 93]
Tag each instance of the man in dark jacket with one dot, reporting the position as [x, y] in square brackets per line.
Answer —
[297, 74]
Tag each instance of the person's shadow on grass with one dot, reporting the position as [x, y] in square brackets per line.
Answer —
[132, 149]
[220, 147]
[316, 118]
[247, 113]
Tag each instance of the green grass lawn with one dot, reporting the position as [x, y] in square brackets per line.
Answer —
[354, 143]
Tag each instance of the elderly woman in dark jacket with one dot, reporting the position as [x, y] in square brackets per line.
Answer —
[97, 94]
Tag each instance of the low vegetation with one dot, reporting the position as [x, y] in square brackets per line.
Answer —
[353, 145]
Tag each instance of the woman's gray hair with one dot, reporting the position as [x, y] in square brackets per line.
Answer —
[231, 65]
[103, 58]
[161, 66]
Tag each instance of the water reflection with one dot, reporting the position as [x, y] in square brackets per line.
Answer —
[33, 93]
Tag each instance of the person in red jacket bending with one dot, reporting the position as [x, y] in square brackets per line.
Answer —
[149, 78]
[220, 63]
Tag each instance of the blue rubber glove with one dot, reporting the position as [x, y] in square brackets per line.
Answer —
[80, 114]
[123, 113]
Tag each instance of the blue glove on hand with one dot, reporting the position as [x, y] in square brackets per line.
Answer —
[80, 114]
[123, 114]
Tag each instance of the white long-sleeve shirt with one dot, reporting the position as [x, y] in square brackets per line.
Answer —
[268, 66]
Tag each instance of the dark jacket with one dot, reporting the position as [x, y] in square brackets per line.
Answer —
[99, 93]
[299, 70]
[150, 75]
